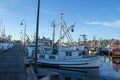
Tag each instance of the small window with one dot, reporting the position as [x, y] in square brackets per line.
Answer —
[51, 57]
[42, 56]
[68, 53]
[79, 54]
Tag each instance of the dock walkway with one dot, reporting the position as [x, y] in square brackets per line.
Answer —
[11, 65]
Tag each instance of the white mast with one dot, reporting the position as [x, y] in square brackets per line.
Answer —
[61, 25]
[53, 35]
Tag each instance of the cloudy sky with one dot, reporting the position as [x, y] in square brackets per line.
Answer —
[100, 18]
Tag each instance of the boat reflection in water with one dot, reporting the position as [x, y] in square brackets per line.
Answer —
[107, 71]
[116, 63]
[78, 74]
[116, 55]
[110, 70]
[86, 74]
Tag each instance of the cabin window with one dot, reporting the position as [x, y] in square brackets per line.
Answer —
[31, 45]
[51, 57]
[79, 54]
[68, 53]
[42, 56]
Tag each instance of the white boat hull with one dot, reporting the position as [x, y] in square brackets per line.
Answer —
[93, 62]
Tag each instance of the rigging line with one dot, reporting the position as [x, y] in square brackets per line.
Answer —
[69, 34]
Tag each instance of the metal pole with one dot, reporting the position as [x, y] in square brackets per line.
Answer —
[24, 31]
[37, 29]
[24, 34]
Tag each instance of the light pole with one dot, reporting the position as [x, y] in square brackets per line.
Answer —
[37, 31]
[23, 22]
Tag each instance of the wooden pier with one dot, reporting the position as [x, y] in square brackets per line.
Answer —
[14, 66]
[11, 65]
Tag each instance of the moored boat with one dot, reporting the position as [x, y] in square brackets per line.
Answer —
[116, 49]
[67, 57]
[67, 54]
[72, 57]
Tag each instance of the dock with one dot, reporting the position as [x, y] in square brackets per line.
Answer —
[11, 65]
[14, 66]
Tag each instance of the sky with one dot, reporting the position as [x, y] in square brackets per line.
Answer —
[99, 18]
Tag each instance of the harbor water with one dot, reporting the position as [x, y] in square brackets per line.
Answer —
[107, 71]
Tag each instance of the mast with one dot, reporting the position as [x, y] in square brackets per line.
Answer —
[64, 31]
[1, 29]
[53, 35]
[61, 26]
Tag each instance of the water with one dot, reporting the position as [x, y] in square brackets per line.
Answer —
[107, 71]
[110, 70]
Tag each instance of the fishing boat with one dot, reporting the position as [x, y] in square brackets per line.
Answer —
[72, 57]
[116, 49]
[61, 54]
[65, 57]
